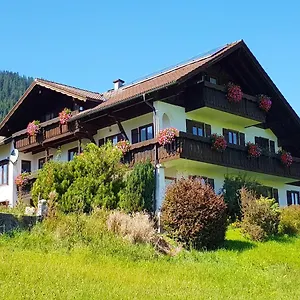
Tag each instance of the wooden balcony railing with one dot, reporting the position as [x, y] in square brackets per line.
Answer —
[187, 146]
[50, 131]
[214, 96]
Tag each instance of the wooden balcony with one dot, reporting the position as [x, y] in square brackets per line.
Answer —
[51, 133]
[214, 96]
[187, 146]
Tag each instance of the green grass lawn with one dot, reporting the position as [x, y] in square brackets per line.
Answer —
[242, 270]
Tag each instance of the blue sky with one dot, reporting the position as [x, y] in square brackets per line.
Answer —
[89, 43]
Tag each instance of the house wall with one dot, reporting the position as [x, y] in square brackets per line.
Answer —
[7, 191]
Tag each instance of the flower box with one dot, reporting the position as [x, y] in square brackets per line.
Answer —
[253, 150]
[64, 116]
[33, 128]
[218, 142]
[167, 135]
[234, 93]
[265, 102]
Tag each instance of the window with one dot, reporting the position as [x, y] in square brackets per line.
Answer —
[42, 161]
[265, 144]
[204, 180]
[115, 138]
[25, 166]
[293, 198]
[72, 153]
[143, 133]
[270, 193]
[234, 137]
[213, 80]
[4, 174]
[198, 128]
[146, 132]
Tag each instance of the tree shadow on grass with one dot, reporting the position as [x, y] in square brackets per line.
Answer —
[239, 246]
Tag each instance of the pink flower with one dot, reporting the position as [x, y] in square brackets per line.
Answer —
[64, 116]
[33, 128]
[167, 135]
[22, 179]
[234, 93]
[265, 102]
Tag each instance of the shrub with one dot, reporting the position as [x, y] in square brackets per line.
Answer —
[193, 214]
[92, 179]
[290, 220]
[137, 228]
[231, 192]
[260, 216]
[139, 189]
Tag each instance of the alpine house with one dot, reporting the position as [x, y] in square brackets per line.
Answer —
[217, 114]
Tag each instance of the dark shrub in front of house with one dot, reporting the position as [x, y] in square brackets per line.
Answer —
[139, 189]
[231, 191]
[193, 214]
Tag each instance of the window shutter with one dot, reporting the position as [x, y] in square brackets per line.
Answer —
[189, 126]
[257, 140]
[134, 136]
[207, 129]
[101, 142]
[275, 195]
[226, 136]
[289, 197]
[211, 182]
[272, 146]
[242, 139]
[298, 195]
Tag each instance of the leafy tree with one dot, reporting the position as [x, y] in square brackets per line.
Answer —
[92, 179]
[139, 188]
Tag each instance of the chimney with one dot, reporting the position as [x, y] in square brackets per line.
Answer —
[118, 83]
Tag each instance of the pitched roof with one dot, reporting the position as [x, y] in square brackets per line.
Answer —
[158, 81]
[69, 90]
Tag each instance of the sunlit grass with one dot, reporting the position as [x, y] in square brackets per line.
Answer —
[241, 270]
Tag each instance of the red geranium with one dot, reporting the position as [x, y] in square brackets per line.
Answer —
[33, 128]
[234, 93]
[167, 136]
[64, 116]
[286, 158]
[124, 146]
[218, 142]
[22, 179]
[253, 150]
[265, 102]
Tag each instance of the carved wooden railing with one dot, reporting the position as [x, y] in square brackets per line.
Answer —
[191, 147]
[214, 96]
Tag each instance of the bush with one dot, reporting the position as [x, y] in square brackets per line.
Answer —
[193, 214]
[92, 179]
[290, 220]
[139, 189]
[260, 216]
[231, 191]
[137, 228]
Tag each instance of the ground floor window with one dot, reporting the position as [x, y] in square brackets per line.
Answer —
[4, 174]
[43, 160]
[72, 153]
[204, 180]
[25, 166]
[293, 198]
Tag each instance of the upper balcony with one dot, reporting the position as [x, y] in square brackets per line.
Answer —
[188, 146]
[214, 96]
[52, 133]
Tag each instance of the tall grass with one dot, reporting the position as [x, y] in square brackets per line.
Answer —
[54, 261]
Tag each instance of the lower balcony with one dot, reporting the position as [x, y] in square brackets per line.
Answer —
[191, 147]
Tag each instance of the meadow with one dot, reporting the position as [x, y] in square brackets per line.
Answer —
[53, 262]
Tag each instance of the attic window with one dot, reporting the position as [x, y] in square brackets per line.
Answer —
[213, 80]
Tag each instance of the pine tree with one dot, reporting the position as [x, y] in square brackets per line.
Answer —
[12, 87]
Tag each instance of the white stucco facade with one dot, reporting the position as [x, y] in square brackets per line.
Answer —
[165, 115]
